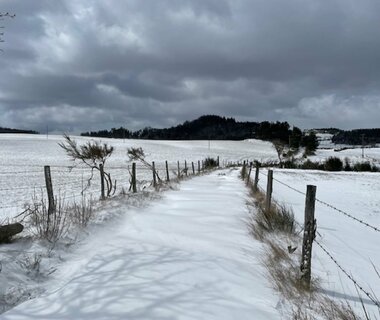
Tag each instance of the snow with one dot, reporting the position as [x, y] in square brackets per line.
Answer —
[23, 157]
[187, 256]
[352, 244]
[353, 153]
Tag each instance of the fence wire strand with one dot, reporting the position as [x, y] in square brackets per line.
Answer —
[348, 275]
[330, 206]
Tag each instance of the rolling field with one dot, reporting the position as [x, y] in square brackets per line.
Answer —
[24, 156]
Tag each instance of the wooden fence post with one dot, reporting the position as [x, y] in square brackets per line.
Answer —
[134, 187]
[186, 168]
[179, 170]
[217, 161]
[192, 165]
[167, 171]
[243, 171]
[154, 174]
[102, 181]
[199, 167]
[256, 183]
[49, 189]
[310, 228]
[268, 199]
[249, 173]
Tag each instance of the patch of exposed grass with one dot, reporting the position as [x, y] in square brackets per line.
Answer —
[276, 228]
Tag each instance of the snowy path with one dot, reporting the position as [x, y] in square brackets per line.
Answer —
[188, 256]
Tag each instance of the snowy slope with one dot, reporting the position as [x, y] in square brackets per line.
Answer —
[353, 245]
[188, 256]
[22, 158]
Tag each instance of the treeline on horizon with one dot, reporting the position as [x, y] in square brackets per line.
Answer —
[212, 127]
[9, 130]
[357, 137]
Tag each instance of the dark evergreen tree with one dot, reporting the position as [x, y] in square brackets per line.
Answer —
[310, 143]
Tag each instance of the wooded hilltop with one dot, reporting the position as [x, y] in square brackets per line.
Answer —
[207, 127]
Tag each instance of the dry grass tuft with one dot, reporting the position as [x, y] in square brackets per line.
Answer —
[283, 270]
[277, 229]
[279, 219]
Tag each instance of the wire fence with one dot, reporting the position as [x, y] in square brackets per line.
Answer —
[348, 215]
[347, 274]
[18, 186]
[371, 296]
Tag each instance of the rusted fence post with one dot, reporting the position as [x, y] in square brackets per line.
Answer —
[179, 170]
[199, 167]
[167, 171]
[268, 199]
[154, 174]
[186, 168]
[217, 161]
[49, 190]
[192, 165]
[310, 228]
[134, 186]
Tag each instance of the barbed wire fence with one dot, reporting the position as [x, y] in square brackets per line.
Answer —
[18, 186]
[343, 213]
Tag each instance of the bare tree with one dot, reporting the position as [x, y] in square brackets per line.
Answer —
[93, 154]
[279, 146]
[138, 154]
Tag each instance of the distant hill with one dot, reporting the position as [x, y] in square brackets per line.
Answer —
[9, 130]
[206, 127]
[354, 137]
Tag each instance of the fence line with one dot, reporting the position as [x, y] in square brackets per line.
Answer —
[123, 173]
[372, 296]
[330, 206]
[9, 173]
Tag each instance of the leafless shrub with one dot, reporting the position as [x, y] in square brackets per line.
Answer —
[50, 227]
[279, 146]
[138, 154]
[94, 155]
[210, 163]
[31, 263]
[81, 213]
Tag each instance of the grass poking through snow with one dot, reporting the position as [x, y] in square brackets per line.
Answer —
[277, 230]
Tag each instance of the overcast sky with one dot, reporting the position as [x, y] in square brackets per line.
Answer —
[78, 65]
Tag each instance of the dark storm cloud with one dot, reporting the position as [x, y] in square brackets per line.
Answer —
[84, 65]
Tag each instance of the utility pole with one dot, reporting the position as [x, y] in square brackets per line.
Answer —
[363, 145]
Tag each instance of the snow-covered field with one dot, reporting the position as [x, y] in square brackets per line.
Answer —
[187, 256]
[354, 246]
[355, 153]
[206, 230]
[23, 157]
